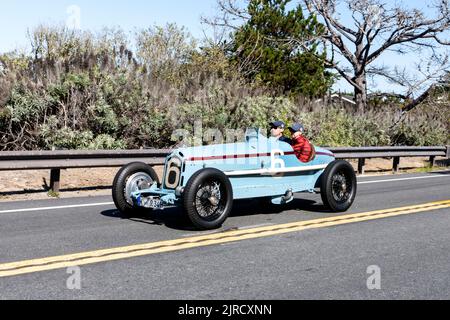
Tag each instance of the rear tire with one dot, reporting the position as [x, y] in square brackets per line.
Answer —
[142, 176]
[208, 199]
[338, 186]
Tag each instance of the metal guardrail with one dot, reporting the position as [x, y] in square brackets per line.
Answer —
[363, 153]
[35, 160]
[57, 160]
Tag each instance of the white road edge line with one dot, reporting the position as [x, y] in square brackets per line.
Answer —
[112, 203]
[403, 179]
[60, 207]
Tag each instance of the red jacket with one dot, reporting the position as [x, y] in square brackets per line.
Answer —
[302, 148]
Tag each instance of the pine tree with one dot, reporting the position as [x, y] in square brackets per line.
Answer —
[262, 48]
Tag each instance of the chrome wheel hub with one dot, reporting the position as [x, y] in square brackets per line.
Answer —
[208, 199]
[136, 182]
[340, 188]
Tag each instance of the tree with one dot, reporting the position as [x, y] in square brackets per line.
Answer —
[284, 65]
[378, 28]
[163, 50]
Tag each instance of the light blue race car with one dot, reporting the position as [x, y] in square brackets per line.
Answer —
[205, 180]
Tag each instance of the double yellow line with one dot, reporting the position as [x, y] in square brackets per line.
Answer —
[85, 258]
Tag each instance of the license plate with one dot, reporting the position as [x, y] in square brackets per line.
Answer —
[152, 203]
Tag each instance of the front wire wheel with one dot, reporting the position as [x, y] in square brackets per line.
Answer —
[208, 199]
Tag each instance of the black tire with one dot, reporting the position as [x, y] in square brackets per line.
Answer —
[338, 186]
[197, 205]
[119, 187]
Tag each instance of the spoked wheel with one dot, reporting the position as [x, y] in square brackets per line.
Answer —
[131, 178]
[209, 202]
[339, 186]
[208, 199]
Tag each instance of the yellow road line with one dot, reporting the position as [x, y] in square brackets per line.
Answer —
[84, 258]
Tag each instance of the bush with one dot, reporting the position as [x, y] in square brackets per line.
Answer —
[26, 106]
[420, 133]
[102, 118]
[76, 90]
[105, 142]
[155, 131]
[336, 127]
[53, 137]
[5, 116]
[259, 111]
[163, 50]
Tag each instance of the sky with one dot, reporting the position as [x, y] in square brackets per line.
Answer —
[19, 16]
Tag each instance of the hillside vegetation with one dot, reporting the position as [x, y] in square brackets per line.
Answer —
[79, 90]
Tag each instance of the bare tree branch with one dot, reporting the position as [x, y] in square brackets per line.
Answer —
[379, 28]
[232, 15]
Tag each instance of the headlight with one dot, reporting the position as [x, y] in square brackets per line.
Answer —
[179, 191]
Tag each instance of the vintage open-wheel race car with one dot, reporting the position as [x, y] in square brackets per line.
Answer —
[205, 180]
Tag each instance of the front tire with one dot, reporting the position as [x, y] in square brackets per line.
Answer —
[208, 199]
[338, 186]
[133, 177]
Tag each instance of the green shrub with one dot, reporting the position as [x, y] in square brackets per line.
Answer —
[259, 111]
[416, 134]
[5, 116]
[185, 116]
[103, 119]
[155, 131]
[427, 125]
[76, 90]
[25, 106]
[53, 137]
[106, 142]
[336, 127]
[72, 81]
[368, 132]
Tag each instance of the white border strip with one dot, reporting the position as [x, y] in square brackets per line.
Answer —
[275, 171]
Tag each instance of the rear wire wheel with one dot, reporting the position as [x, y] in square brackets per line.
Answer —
[339, 186]
[131, 178]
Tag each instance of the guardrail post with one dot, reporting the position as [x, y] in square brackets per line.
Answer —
[396, 164]
[55, 176]
[361, 164]
[432, 161]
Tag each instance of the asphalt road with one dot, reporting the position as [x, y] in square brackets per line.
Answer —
[412, 251]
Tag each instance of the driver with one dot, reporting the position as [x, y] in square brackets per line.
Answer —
[276, 131]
